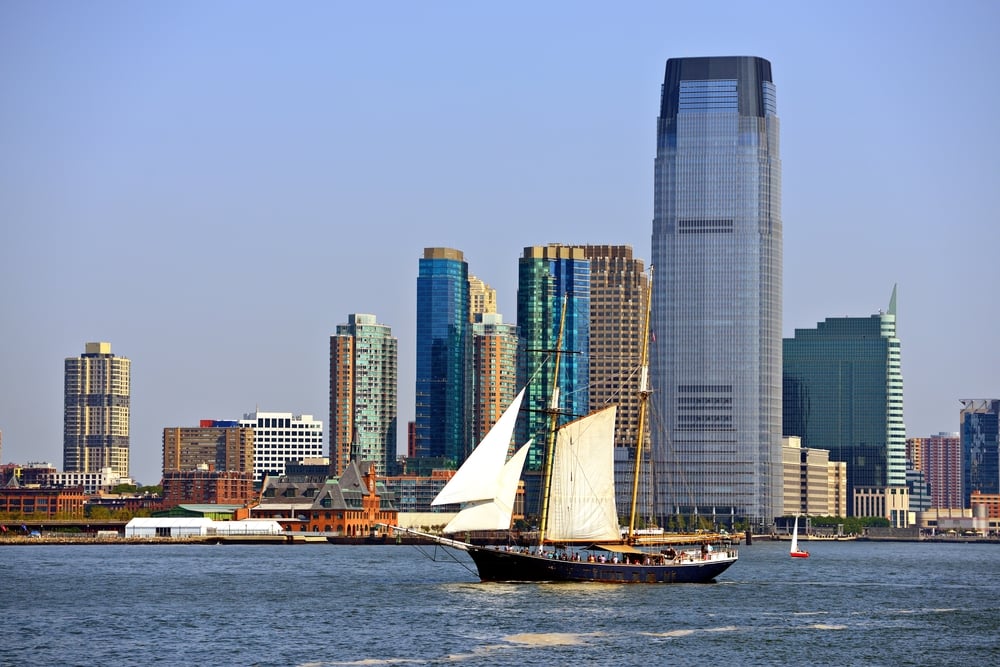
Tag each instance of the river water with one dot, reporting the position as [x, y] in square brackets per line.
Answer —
[851, 603]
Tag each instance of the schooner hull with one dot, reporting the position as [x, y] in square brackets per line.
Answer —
[511, 566]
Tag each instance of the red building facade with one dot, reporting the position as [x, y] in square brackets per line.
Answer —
[222, 487]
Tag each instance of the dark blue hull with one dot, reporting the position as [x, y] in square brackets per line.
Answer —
[500, 565]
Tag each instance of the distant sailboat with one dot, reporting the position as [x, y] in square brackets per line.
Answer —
[795, 551]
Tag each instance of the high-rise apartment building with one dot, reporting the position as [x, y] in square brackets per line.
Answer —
[618, 292]
[482, 299]
[939, 458]
[279, 437]
[494, 362]
[843, 392]
[363, 388]
[980, 429]
[214, 445]
[552, 280]
[716, 253]
[444, 387]
[96, 404]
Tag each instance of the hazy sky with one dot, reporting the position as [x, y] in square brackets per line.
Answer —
[214, 186]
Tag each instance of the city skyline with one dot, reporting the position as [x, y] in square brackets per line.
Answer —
[213, 190]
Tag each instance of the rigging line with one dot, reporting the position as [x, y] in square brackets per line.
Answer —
[433, 556]
[674, 476]
[614, 379]
[539, 369]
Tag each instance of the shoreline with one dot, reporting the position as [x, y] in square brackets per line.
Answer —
[297, 539]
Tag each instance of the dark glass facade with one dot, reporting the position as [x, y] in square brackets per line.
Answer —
[980, 447]
[843, 392]
[716, 255]
[443, 390]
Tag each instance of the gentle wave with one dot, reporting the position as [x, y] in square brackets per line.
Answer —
[690, 631]
[550, 638]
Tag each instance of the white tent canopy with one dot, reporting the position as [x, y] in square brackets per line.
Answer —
[198, 526]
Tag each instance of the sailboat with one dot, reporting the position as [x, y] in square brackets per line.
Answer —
[795, 551]
[579, 538]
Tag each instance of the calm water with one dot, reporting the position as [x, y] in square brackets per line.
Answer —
[852, 603]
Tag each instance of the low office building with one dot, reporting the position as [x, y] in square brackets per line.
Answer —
[279, 437]
[887, 502]
[989, 501]
[19, 500]
[813, 484]
[414, 493]
[92, 482]
[207, 486]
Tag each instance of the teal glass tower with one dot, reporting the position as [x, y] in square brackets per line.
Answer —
[843, 392]
[444, 383]
[716, 310]
[549, 279]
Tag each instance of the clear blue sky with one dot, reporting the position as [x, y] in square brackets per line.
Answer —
[213, 187]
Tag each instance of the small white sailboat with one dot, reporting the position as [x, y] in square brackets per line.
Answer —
[795, 551]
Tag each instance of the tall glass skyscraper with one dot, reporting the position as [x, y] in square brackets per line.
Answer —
[716, 255]
[550, 278]
[843, 391]
[444, 383]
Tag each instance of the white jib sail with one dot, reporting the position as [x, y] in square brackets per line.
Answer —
[478, 477]
[493, 514]
[582, 495]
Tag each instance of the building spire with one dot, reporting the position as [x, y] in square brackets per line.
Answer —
[892, 301]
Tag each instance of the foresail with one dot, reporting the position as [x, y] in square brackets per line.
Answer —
[493, 514]
[478, 477]
[582, 494]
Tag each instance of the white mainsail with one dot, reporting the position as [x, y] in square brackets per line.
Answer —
[495, 513]
[478, 478]
[795, 536]
[582, 494]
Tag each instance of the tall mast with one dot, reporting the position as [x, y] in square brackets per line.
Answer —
[643, 399]
[550, 443]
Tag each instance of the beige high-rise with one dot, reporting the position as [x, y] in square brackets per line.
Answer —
[617, 310]
[97, 397]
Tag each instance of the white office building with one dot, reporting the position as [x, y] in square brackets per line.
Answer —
[279, 437]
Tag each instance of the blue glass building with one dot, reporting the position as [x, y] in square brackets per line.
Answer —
[716, 255]
[980, 447]
[444, 381]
